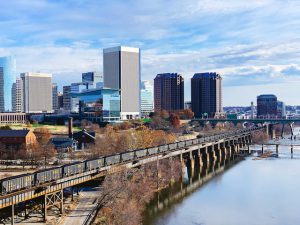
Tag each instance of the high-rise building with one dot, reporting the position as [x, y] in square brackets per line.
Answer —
[266, 106]
[168, 92]
[7, 78]
[17, 96]
[37, 92]
[281, 109]
[94, 79]
[66, 97]
[60, 100]
[122, 71]
[54, 97]
[206, 94]
[252, 110]
[146, 98]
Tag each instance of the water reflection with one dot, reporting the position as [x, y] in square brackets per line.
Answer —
[262, 191]
[166, 200]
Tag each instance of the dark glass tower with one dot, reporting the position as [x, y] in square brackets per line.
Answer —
[266, 106]
[206, 94]
[168, 92]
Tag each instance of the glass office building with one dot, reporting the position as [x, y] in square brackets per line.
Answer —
[99, 105]
[94, 79]
[146, 98]
[7, 78]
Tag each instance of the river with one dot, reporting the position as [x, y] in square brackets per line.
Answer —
[248, 192]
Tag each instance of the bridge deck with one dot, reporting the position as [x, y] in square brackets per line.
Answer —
[42, 190]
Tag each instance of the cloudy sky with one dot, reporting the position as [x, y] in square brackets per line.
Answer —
[254, 45]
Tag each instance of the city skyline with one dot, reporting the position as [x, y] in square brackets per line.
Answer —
[249, 44]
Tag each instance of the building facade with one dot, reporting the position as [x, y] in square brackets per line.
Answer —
[168, 92]
[54, 97]
[122, 71]
[93, 79]
[17, 96]
[99, 105]
[37, 92]
[206, 94]
[146, 98]
[281, 110]
[188, 105]
[7, 78]
[17, 139]
[60, 100]
[77, 88]
[12, 118]
[66, 97]
[266, 106]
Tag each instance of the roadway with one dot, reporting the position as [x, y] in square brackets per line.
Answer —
[86, 205]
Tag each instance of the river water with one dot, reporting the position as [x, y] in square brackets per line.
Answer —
[248, 192]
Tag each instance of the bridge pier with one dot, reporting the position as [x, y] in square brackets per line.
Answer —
[237, 149]
[273, 134]
[220, 154]
[182, 164]
[217, 152]
[207, 155]
[227, 152]
[191, 166]
[232, 150]
[248, 148]
[224, 152]
[192, 161]
[200, 158]
[213, 155]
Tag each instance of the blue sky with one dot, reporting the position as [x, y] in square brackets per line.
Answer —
[254, 45]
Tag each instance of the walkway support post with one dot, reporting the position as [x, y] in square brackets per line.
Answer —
[45, 208]
[62, 202]
[12, 214]
[72, 197]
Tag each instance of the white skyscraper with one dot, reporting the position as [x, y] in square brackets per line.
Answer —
[17, 96]
[146, 98]
[122, 71]
[37, 89]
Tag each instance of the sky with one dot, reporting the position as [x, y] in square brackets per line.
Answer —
[254, 45]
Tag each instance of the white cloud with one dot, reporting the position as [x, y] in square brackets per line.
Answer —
[248, 42]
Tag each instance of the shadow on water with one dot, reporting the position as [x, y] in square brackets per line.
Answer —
[167, 199]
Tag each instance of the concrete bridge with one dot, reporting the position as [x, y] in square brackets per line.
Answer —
[254, 121]
[266, 122]
[218, 148]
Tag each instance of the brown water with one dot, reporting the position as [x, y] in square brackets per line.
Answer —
[249, 192]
